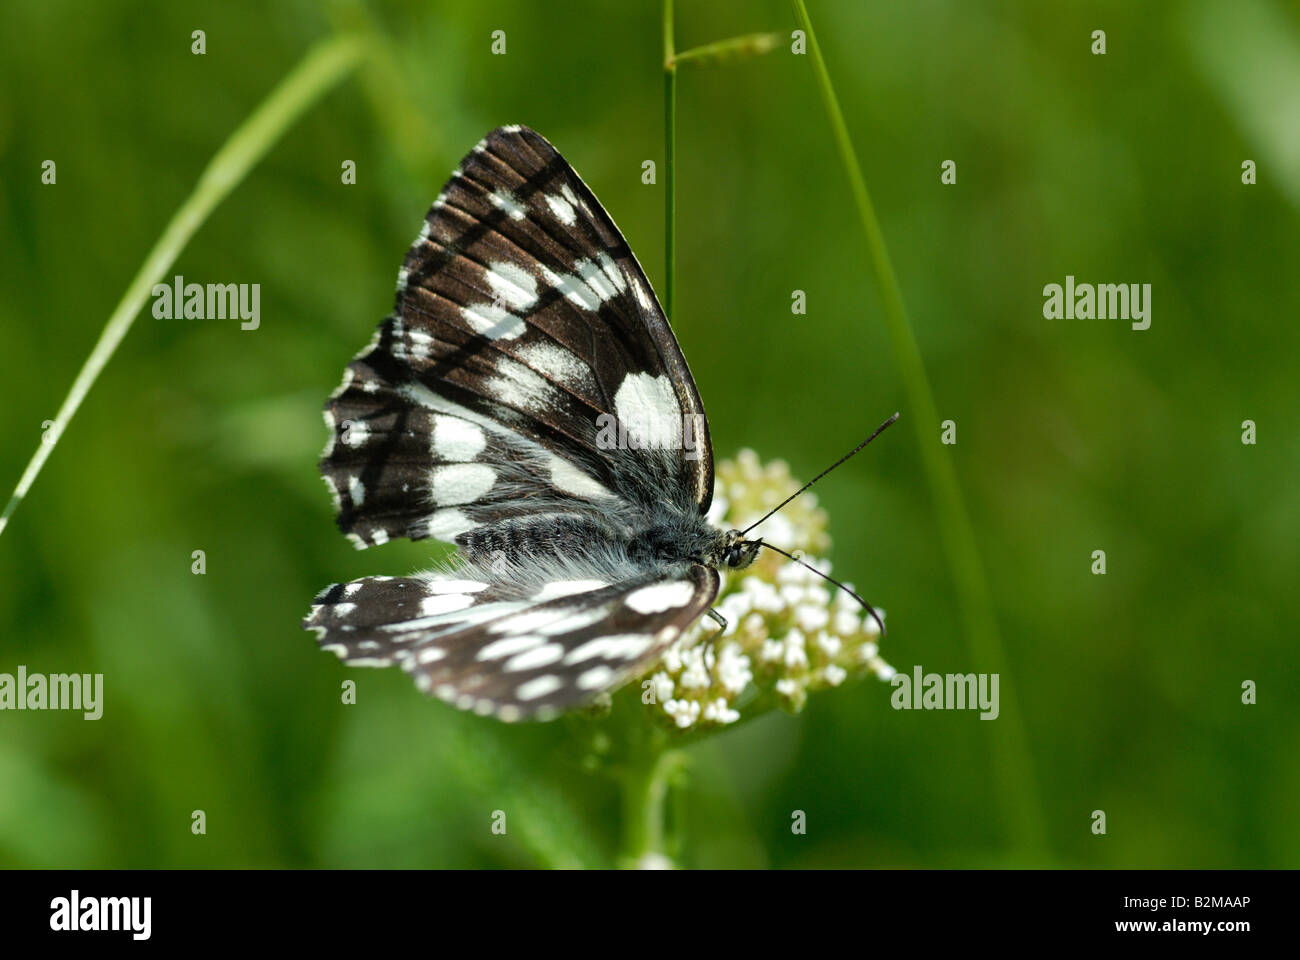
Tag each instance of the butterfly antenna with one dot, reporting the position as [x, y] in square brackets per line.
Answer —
[826, 576]
[846, 456]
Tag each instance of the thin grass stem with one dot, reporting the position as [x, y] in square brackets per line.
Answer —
[323, 67]
[1014, 777]
[670, 166]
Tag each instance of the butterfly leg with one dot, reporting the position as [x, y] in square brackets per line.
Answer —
[707, 643]
[721, 621]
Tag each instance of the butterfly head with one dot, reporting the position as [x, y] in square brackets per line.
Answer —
[737, 552]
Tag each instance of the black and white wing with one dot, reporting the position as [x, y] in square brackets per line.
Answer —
[483, 646]
[523, 326]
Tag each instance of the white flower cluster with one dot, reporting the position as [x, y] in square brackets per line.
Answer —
[788, 631]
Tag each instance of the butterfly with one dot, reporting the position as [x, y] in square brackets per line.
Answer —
[527, 401]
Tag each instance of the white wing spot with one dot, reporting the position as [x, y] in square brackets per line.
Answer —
[537, 657]
[458, 483]
[659, 597]
[595, 678]
[570, 479]
[566, 588]
[504, 200]
[642, 296]
[647, 409]
[567, 192]
[557, 363]
[539, 687]
[444, 603]
[448, 524]
[512, 284]
[456, 440]
[596, 278]
[529, 620]
[572, 288]
[522, 388]
[454, 586]
[508, 647]
[562, 209]
[420, 344]
[456, 620]
[356, 491]
[356, 434]
[492, 321]
[619, 647]
[616, 276]
[575, 622]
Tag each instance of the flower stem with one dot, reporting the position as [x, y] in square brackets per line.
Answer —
[645, 792]
[324, 66]
[1019, 801]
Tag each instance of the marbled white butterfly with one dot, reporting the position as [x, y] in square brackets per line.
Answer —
[527, 401]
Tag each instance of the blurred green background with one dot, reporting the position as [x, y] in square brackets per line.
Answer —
[1073, 435]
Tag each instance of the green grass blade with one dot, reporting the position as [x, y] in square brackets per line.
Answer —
[733, 48]
[1019, 795]
[324, 66]
[670, 163]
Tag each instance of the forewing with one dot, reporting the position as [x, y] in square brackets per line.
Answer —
[521, 313]
[481, 647]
